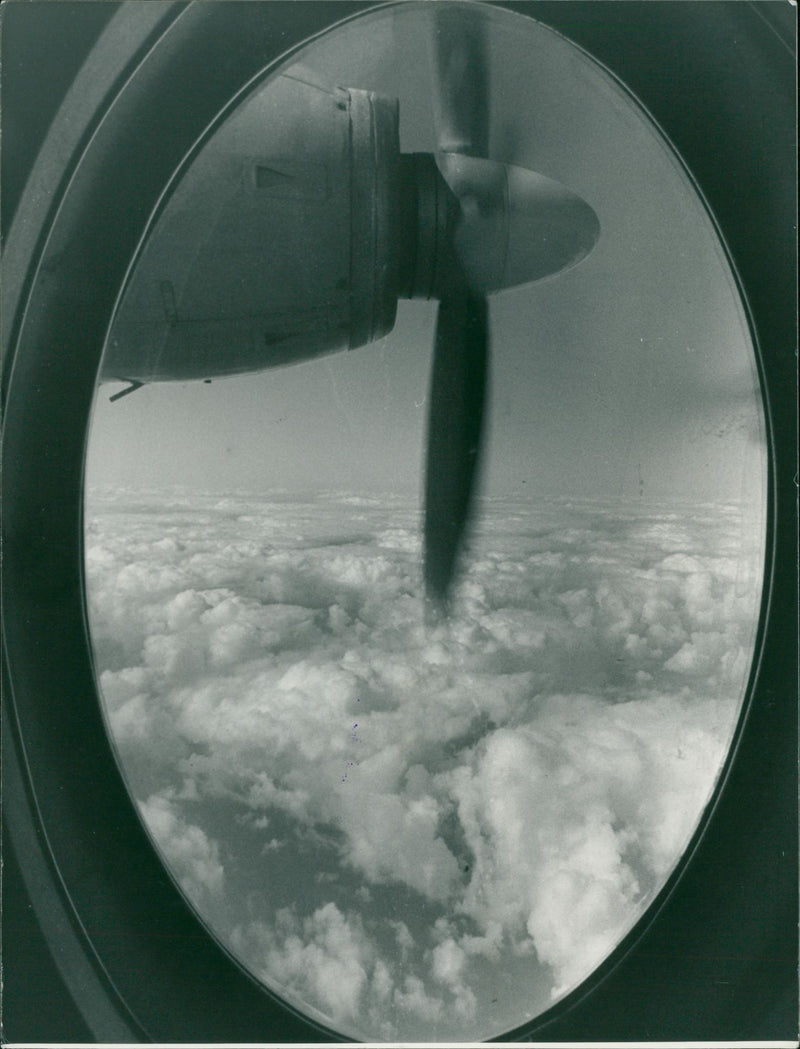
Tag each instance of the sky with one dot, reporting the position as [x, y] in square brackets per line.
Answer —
[633, 369]
[419, 833]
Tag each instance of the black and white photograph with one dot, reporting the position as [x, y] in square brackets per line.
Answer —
[399, 522]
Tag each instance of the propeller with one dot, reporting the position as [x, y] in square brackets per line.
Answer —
[497, 226]
[316, 239]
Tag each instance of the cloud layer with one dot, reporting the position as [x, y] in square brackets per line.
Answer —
[419, 833]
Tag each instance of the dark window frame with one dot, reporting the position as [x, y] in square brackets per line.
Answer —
[717, 958]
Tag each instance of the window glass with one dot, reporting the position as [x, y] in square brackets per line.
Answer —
[435, 832]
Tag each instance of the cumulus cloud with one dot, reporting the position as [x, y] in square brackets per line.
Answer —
[395, 815]
[448, 968]
[414, 999]
[325, 959]
[190, 854]
[576, 817]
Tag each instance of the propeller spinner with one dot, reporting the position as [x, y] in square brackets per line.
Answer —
[298, 226]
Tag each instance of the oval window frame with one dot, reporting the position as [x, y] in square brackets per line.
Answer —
[55, 808]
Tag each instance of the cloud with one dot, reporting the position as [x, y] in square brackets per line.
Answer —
[574, 819]
[393, 815]
[413, 998]
[448, 968]
[393, 834]
[326, 959]
[190, 854]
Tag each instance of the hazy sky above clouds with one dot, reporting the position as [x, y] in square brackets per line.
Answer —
[631, 373]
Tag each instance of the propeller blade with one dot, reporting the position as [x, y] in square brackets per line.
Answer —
[482, 226]
[461, 81]
[455, 425]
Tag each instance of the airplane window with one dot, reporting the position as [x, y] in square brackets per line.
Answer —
[423, 824]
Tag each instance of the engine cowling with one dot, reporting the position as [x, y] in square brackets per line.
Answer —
[277, 244]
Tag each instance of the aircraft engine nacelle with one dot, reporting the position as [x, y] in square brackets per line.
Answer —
[278, 244]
